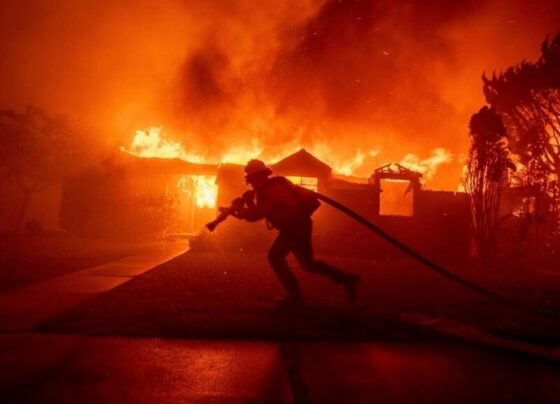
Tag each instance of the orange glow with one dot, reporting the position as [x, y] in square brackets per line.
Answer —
[152, 142]
[201, 188]
[206, 191]
[429, 166]
[396, 198]
[306, 182]
[338, 78]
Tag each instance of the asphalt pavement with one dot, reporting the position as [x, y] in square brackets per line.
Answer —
[68, 369]
[323, 361]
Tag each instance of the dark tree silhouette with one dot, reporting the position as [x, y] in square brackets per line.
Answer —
[528, 97]
[36, 150]
[486, 176]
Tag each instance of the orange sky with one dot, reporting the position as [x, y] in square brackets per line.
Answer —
[381, 78]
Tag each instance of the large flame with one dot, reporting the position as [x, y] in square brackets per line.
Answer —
[429, 166]
[151, 142]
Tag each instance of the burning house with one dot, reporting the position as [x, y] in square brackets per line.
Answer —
[136, 196]
[393, 198]
[131, 196]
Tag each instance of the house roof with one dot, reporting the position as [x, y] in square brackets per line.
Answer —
[172, 166]
[396, 171]
[230, 174]
[301, 163]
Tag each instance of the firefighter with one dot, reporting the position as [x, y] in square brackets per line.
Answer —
[288, 208]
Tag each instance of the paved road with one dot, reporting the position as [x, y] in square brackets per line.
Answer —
[212, 295]
[70, 369]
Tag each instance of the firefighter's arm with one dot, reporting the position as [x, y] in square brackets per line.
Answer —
[248, 210]
[250, 214]
[249, 198]
[234, 209]
[239, 210]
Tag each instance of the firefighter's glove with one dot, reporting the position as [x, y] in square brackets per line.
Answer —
[236, 207]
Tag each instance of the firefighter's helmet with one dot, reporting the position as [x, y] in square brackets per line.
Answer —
[256, 167]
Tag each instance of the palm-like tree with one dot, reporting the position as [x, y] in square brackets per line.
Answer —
[487, 175]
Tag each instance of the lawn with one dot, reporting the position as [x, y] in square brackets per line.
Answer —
[27, 259]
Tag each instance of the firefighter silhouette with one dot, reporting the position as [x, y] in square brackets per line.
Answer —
[288, 208]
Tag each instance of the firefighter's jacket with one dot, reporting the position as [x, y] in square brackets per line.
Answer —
[276, 202]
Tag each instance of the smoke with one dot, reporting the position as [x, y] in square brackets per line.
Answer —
[340, 77]
[106, 63]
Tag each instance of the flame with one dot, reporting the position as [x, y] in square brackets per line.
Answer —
[202, 188]
[429, 166]
[240, 155]
[344, 166]
[206, 191]
[152, 143]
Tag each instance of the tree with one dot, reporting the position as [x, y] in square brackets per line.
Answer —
[36, 150]
[486, 176]
[528, 98]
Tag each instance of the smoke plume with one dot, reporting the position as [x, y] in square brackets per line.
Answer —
[355, 81]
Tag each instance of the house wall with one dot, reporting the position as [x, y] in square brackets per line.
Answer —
[439, 228]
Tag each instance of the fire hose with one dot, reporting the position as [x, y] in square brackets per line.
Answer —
[415, 255]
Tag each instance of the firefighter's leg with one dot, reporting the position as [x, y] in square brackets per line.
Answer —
[277, 259]
[302, 249]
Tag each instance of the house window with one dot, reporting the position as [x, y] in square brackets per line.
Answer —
[306, 182]
[396, 198]
[196, 203]
[201, 188]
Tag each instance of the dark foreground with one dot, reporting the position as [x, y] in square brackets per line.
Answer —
[200, 328]
[212, 295]
[70, 369]
[26, 259]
